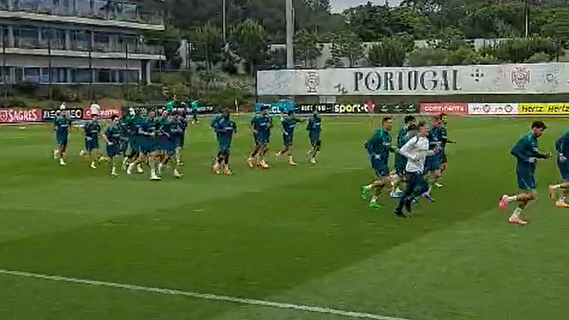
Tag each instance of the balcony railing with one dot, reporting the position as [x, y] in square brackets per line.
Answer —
[59, 44]
[110, 11]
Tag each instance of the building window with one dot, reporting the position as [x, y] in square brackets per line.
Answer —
[54, 38]
[102, 41]
[128, 76]
[27, 37]
[58, 75]
[80, 40]
[32, 75]
[81, 76]
[103, 76]
[83, 8]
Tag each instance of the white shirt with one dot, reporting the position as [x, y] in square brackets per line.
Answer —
[416, 151]
[95, 109]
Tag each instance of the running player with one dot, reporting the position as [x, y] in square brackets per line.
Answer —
[445, 140]
[61, 125]
[224, 129]
[146, 136]
[415, 150]
[314, 128]
[261, 126]
[562, 147]
[526, 153]
[401, 160]
[288, 125]
[113, 139]
[92, 131]
[194, 109]
[378, 149]
[433, 163]
[183, 118]
[169, 127]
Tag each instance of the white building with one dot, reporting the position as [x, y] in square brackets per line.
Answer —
[77, 41]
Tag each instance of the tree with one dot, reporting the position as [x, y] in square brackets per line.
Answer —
[249, 41]
[427, 57]
[347, 45]
[518, 50]
[207, 44]
[369, 22]
[306, 48]
[390, 52]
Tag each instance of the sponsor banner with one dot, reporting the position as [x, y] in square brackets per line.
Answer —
[543, 108]
[483, 109]
[143, 109]
[105, 113]
[13, 115]
[541, 78]
[369, 107]
[72, 113]
[444, 107]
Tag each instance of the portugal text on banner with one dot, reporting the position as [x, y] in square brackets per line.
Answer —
[484, 109]
[543, 108]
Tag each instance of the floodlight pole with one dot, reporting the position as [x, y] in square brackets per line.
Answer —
[289, 16]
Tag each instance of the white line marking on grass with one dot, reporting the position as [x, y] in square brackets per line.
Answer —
[203, 296]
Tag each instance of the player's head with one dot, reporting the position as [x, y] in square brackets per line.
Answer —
[151, 114]
[114, 118]
[443, 118]
[412, 130]
[290, 113]
[387, 123]
[423, 128]
[95, 116]
[265, 110]
[537, 128]
[315, 112]
[409, 120]
[174, 114]
[164, 114]
[225, 113]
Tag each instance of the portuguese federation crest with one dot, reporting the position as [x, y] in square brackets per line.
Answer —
[311, 81]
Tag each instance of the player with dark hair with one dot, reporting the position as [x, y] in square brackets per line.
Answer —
[378, 148]
[112, 137]
[61, 125]
[314, 128]
[445, 141]
[526, 153]
[224, 129]
[400, 160]
[92, 131]
[288, 125]
[261, 126]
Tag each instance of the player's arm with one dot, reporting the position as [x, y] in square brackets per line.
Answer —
[406, 149]
[253, 125]
[106, 136]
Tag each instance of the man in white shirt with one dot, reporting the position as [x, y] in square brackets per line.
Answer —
[416, 151]
[95, 109]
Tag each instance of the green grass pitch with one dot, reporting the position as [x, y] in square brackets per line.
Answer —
[297, 235]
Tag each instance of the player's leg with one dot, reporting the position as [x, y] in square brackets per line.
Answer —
[253, 156]
[407, 195]
[139, 157]
[528, 193]
[443, 167]
[62, 143]
[285, 148]
[383, 179]
[112, 153]
[180, 148]
[563, 187]
[263, 152]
